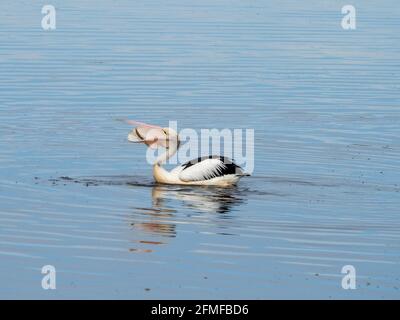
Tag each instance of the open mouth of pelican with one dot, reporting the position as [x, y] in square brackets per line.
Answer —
[152, 136]
[135, 136]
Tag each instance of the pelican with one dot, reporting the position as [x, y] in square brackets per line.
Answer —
[207, 171]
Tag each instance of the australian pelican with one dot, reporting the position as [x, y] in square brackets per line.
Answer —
[208, 170]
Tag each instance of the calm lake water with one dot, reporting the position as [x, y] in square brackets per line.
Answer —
[324, 104]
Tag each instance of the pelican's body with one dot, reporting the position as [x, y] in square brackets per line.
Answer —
[209, 170]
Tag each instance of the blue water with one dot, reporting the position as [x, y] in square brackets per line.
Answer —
[324, 104]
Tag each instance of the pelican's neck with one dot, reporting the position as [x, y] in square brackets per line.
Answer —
[169, 152]
[160, 174]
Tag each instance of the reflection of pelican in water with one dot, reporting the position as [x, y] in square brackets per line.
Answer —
[158, 223]
[205, 199]
[160, 216]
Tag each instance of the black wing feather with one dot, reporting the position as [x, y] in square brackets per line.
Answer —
[228, 167]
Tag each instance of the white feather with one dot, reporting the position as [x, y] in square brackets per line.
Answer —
[203, 170]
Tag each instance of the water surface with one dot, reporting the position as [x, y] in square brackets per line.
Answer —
[324, 103]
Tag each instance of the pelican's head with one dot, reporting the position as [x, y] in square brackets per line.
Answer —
[172, 138]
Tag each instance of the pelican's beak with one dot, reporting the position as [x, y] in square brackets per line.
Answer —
[152, 136]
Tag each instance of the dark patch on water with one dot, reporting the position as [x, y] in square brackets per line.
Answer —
[104, 181]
